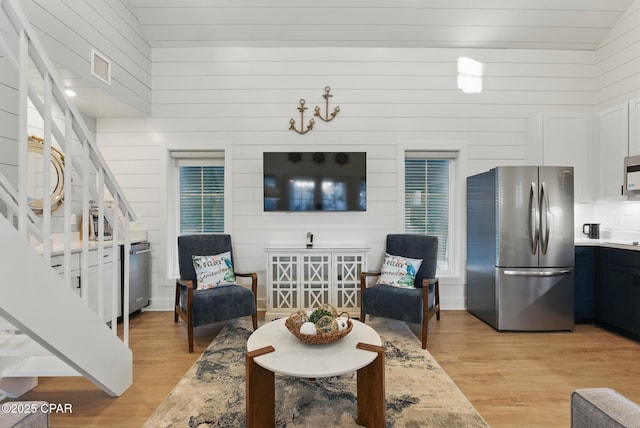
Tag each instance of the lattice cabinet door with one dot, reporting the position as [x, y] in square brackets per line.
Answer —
[283, 294]
[300, 278]
[315, 280]
[347, 268]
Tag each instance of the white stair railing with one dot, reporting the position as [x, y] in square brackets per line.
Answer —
[44, 108]
[42, 100]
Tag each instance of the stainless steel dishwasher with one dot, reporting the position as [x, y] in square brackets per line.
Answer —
[139, 275]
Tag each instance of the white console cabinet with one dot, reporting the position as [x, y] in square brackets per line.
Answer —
[301, 278]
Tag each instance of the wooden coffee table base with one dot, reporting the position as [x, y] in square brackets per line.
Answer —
[261, 399]
[261, 390]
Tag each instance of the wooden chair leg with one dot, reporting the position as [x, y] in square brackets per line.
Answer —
[425, 312]
[190, 318]
[437, 298]
[177, 303]
[190, 336]
[425, 328]
[363, 287]
[254, 318]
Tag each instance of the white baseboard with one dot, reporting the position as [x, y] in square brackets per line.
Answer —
[446, 303]
[453, 303]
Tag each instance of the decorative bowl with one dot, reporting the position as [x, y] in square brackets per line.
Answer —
[317, 339]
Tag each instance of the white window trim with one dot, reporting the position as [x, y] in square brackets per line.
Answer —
[169, 207]
[457, 197]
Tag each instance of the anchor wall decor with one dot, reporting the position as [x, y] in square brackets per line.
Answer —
[292, 123]
[326, 118]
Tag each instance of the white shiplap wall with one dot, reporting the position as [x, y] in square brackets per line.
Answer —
[389, 98]
[68, 32]
[617, 71]
[8, 125]
[617, 66]
[8, 112]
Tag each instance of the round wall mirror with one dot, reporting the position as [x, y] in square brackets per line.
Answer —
[36, 192]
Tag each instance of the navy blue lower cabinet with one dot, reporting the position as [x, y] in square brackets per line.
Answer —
[618, 304]
[619, 290]
[586, 277]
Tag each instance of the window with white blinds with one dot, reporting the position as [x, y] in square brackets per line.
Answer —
[201, 194]
[426, 184]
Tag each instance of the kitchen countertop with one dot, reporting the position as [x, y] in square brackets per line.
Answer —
[57, 247]
[623, 244]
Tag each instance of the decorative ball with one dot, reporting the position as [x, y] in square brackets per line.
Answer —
[327, 324]
[324, 310]
[308, 328]
[329, 308]
[299, 318]
[342, 323]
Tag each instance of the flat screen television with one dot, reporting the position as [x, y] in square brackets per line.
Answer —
[320, 181]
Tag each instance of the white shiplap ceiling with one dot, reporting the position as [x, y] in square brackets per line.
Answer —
[499, 24]
[534, 24]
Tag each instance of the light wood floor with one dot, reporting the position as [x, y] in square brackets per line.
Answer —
[513, 379]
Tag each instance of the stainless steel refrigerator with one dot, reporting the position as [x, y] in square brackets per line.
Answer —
[520, 248]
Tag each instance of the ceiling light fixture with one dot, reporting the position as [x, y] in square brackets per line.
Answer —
[470, 75]
[70, 92]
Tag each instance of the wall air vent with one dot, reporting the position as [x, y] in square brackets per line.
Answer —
[100, 66]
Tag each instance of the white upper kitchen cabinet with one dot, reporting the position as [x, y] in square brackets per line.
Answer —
[634, 127]
[563, 139]
[613, 140]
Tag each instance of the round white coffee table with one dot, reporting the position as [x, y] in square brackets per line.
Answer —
[273, 349]
[295, 358]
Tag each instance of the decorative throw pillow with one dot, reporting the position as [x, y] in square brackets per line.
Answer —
[399, 271]
[214, 271]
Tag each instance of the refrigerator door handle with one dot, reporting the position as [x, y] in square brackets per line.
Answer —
[560, 272]
[546, 214]
[534, 218]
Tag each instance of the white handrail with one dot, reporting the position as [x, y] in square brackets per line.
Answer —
[88, 163]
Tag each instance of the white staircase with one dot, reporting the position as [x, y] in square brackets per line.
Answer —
[23, 360]
[46, 328]
[49, 329]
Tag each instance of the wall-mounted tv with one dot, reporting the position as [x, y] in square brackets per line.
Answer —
[315, 181]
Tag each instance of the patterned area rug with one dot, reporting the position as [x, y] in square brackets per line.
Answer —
[418, 391]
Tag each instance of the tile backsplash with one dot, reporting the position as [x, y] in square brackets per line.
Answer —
[615, 218]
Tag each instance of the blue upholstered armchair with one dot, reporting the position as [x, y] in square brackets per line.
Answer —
[206, 306]
[416, 304]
